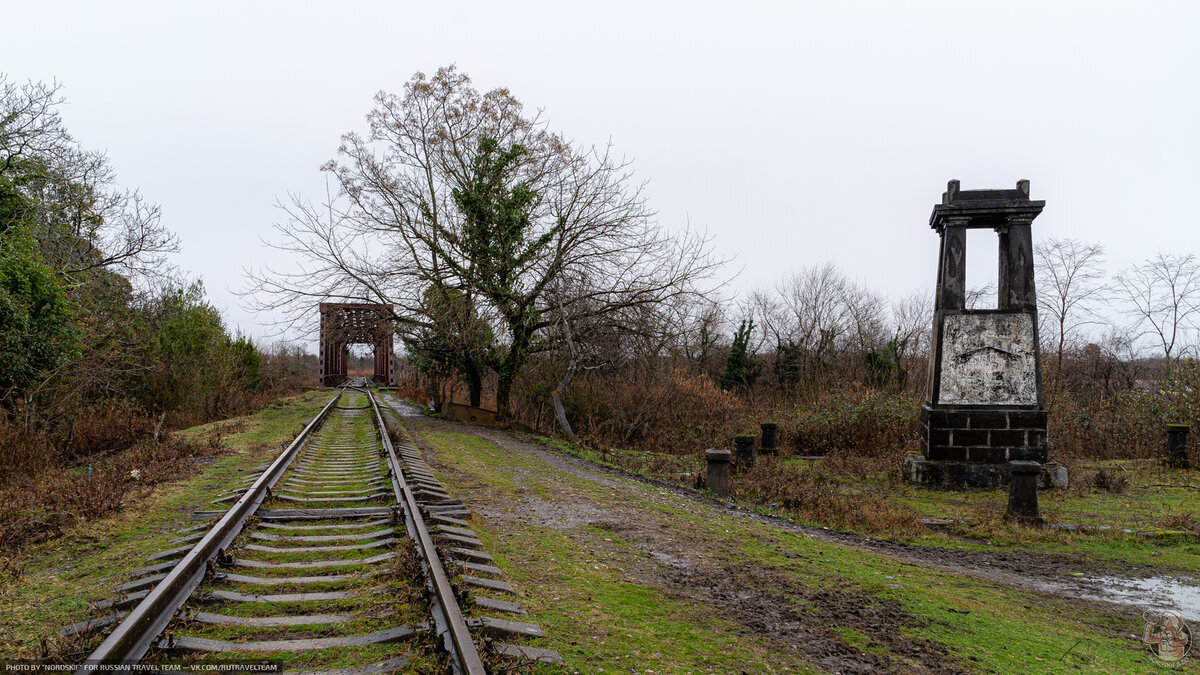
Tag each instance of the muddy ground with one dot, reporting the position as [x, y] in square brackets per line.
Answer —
[767, 602]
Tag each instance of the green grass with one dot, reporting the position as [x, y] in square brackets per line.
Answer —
[573, 581]
[1164, 522]
[60, 577]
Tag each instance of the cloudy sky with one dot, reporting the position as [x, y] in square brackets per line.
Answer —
[794, 133]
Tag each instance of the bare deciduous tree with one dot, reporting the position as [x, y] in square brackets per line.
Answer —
[809, 310]
[866, 316]
[912, 326]
[68, 195]
[1070, 284]
[1163, 296]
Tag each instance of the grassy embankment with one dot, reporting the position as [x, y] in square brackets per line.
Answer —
[1139, 513]
[602, 598]
[49, 585]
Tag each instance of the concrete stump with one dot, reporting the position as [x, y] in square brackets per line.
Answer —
[1022, 493]
[1177, 446]
[769, 445]
[718, 470]
[1055, 475]
[745, 450]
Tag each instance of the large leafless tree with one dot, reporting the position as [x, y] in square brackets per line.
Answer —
[81, 219]
[404, 218]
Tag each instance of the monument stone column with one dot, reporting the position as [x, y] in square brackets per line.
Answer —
[984, 406]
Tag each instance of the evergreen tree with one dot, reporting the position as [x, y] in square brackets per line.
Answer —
[739, 370]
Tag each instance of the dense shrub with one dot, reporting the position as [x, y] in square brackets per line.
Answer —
[1126, 424]
[664, 409]
[853, 421]
[40, 504]
[816, 494]
[36, 329]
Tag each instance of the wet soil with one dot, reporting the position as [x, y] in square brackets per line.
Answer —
[766, 602]
[1075, 577]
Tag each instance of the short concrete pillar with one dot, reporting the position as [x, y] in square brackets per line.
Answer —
[1177, 455]
[1022, 492]
[745, 450]
[718, 470]
[769, 445]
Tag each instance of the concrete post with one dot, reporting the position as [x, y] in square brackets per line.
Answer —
[769, 445]
[1015, 281]
[1177, 455]
[952, 277]
[1022, 493]
[718, 470]
[745, 450]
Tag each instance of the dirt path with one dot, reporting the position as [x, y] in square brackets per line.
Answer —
[1073, 577]
[699, 571]
[780, 611]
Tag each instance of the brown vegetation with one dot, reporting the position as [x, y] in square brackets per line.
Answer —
[843, 375]
[40, 504]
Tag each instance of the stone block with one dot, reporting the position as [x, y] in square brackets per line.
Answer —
[718, 470]
[938, 437]
[770, 438]
[1055, 475]
[745, 454]
[988, 455]
[945, 419]
[970, 437]
[1007, 438]
[1027, 419]
[1027, 454]
[939, 453]
[1022, 492]
[989, 420]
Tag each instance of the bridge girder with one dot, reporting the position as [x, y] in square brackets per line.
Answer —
[347, 323]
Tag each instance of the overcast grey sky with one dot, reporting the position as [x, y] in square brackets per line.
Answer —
[794, 133]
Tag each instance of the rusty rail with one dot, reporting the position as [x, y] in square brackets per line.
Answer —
[130, 641]
[448, 617]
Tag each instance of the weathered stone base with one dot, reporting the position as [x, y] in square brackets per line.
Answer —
[958, 475]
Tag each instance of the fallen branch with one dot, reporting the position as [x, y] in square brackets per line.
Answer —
[1168, 485]
[1064, 655]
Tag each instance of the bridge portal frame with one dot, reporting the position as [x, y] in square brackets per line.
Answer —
[348, 323]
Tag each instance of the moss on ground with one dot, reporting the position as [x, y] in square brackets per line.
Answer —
[578, 583]
[1154, 521]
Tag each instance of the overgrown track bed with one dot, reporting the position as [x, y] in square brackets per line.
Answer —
[345, 555]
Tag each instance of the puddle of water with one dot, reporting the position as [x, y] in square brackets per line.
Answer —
[1156, 593]
[672, 560]
[402, 408]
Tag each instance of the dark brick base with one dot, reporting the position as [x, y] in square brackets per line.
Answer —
[984, 436]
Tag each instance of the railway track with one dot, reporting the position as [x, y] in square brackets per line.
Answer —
[343, 556]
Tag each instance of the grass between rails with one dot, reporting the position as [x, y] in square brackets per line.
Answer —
[606, 600]
[57, 579]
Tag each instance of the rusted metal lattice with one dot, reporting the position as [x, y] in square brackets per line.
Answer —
[349, 323]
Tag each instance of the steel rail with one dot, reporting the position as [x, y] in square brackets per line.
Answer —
[464, 652]
[132, 638]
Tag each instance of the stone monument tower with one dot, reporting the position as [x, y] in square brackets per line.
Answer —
[984, 404]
